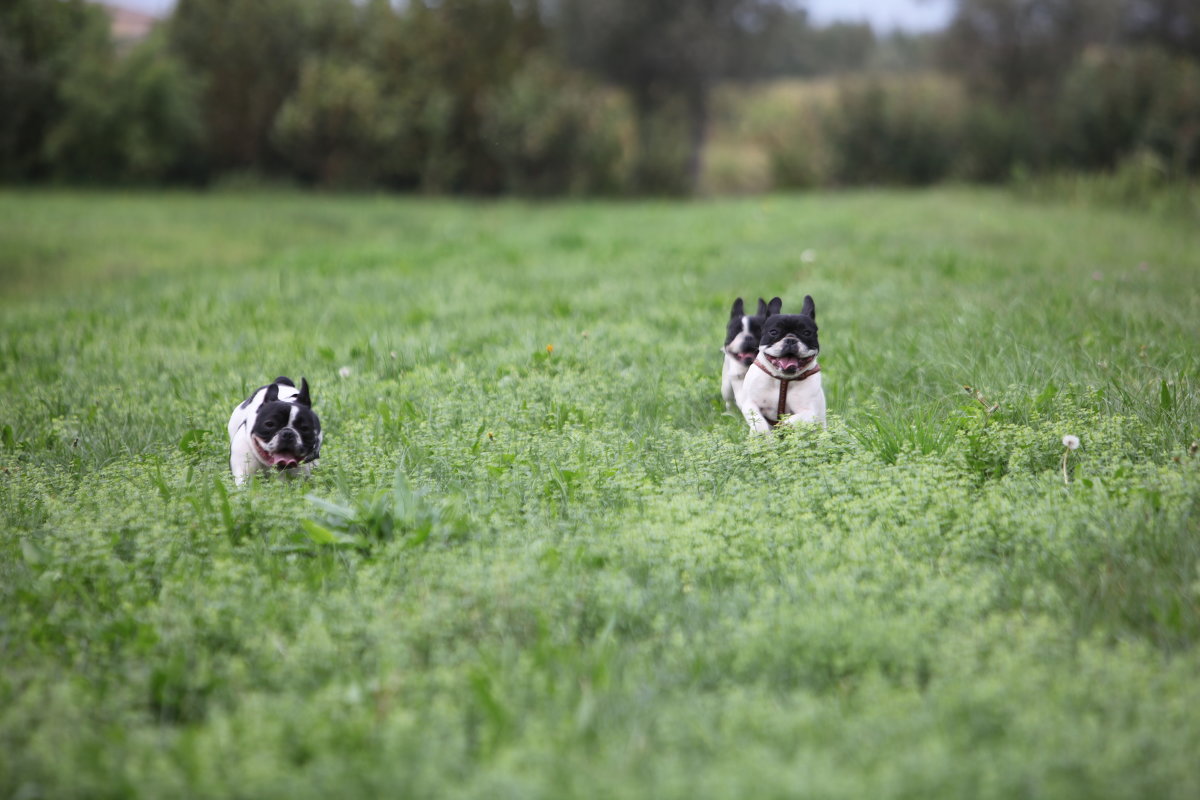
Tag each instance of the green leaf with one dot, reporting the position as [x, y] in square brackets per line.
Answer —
[318, 533]
[343, 512]
[1045, 396]
[192, 440]
[225, 507]
[31, 553]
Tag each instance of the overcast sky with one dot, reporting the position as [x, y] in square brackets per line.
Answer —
[916, 15]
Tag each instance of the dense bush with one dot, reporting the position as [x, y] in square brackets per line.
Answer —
[336, 125]
[247, 56]
[439, 64]
[42, 44]
[482, 96]
[1115, 102]
[553, 132]
[132, 119]
[899, 132]
[996, 142]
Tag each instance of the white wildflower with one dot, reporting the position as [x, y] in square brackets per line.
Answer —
[808, 256]
[1070, 443]
[344, 372]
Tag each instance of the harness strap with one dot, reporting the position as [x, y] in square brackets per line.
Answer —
[783, 386]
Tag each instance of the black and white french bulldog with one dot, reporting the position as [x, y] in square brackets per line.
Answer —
[274, 429]
[784, 383]
[741, 345]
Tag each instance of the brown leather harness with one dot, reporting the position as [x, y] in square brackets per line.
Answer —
[783, 386]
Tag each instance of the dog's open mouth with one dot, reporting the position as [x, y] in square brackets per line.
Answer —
[747, 358]
[789, 363]
[280, 459]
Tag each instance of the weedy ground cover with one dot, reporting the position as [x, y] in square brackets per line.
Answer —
[537, 559]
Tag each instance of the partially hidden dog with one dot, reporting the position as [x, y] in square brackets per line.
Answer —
[741, 345]
[783, 383]
[274, 430]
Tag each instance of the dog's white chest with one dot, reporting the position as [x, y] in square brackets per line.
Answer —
[765, 400]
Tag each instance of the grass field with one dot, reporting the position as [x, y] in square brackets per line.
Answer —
[537, 560]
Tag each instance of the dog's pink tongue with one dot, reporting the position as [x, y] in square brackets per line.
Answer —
[283, 460]
[789, 363]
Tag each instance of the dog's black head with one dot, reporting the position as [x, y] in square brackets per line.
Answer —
[742, 335]
[789, 341]
[286, 431]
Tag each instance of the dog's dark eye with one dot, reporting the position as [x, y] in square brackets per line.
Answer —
[774, 331]
[269, 424]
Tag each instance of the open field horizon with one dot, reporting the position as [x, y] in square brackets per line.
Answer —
[538, 560]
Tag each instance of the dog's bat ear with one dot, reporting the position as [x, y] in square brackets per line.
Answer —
[284, 380]
[762, 307]
[809, 309]
[738, 308]
[302, 398]
[775, 306]
[272, 393]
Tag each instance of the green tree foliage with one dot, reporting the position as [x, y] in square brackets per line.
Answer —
[1012, 49]
[554, 132]
[128, 119]
[1075, 84]
[247, 55]
[793, 46]
[550, 96]
[1174, 24]
[438, 63]
[335, 127]
[1118, 102]
[900, 133]
[667, 54]
[41, 43]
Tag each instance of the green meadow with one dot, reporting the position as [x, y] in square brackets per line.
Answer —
[538, 560]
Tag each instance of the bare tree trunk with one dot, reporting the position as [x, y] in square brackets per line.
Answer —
[697, 107]
[643, 112]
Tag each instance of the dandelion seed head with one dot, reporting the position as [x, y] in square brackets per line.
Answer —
[344, 372]
[1071, 442]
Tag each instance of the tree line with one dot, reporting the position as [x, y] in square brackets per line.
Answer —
[583, 96]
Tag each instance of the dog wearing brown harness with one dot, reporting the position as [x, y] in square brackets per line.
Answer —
[783, 387]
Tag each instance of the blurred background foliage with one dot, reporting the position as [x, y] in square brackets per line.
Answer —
[580, 97]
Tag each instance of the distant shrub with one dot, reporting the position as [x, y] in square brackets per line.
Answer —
[42, 46]
[996, 142]
[777, 128]
[554, 132]
[901, 132]
[801, 156]
[1116, 102]
[127, 119]
[661, 150]
[1140, 180]
[439, 64]
[334, 127]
